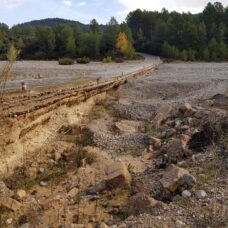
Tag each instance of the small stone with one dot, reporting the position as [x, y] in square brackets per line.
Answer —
[185, 128]
[155, 142]
[177, 124]
[43, 183]
[41, 170]
[20, 194]
[26, 225]
[9, 221]
[57, 156]
[73, 192]
[180, 224]
[4, 190]
[103, 225]
[171, 132]
[31, 172]
[200, 194]
[118, 176]
[186, 194]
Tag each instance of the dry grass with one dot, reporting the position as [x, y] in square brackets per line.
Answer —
[6, 72]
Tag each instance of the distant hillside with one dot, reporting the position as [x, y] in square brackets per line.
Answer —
[53, 22]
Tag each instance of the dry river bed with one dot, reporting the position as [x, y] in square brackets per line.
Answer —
[46, 74]
[151, 153]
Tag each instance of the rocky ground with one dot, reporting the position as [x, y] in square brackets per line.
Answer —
[46, 74]
[153, 154]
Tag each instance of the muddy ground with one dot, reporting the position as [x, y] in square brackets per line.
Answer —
[151, 153]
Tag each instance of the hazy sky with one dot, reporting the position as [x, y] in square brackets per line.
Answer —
[17, 11]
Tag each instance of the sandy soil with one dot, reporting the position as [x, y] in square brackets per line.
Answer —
[118, 128]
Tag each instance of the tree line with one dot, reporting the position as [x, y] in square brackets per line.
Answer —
[184, 36]
[68, 40]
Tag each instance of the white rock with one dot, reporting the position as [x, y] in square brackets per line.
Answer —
[43, 183]
[41, 170]
[21, 194]
[26, 225]
[9, 221]
[186, 194]
[200, 194]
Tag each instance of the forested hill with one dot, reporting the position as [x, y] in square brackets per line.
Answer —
[182, 36]
[200, 37]
[54, 22]
[57, 38]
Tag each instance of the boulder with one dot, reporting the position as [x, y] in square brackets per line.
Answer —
[177, 178]
[176, 148]
[187, 110]
[162, 115]
[142, 203]
[128, 126]
[118, 176]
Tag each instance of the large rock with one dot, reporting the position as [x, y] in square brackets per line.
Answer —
[176, 148]
[118, 176]
[187, 110]
[162, 115]
[177, 178]
[128, 126]
[10, 203]
[142, 203]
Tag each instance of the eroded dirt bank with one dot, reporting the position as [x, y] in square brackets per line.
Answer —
[151, 153]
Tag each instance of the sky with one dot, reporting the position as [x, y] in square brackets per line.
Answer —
[17, 11]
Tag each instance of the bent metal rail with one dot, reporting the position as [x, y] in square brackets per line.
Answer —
[32, 105]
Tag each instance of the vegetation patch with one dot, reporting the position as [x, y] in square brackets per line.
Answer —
[66, 61]
[83, 60]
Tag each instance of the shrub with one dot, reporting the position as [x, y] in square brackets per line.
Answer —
[108, 59]
[83, 60]
[66, 61]
[119, 60]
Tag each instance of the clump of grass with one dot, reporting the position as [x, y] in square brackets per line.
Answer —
[211, 218]
[5, 214]
[66, 61]
[19, 180]
[107, 59]
[6, 72]
[119, 60]
[84, 157]
[152, 131]
[184, 202]
[83, 60]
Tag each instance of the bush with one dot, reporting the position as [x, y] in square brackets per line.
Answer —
[66, 61]
[119, 60]
[83, 60]
[108, 59]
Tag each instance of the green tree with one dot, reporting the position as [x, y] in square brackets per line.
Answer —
[65, 41]
[109, 37]
[213, 48]
[94, 26]
[206, 54]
